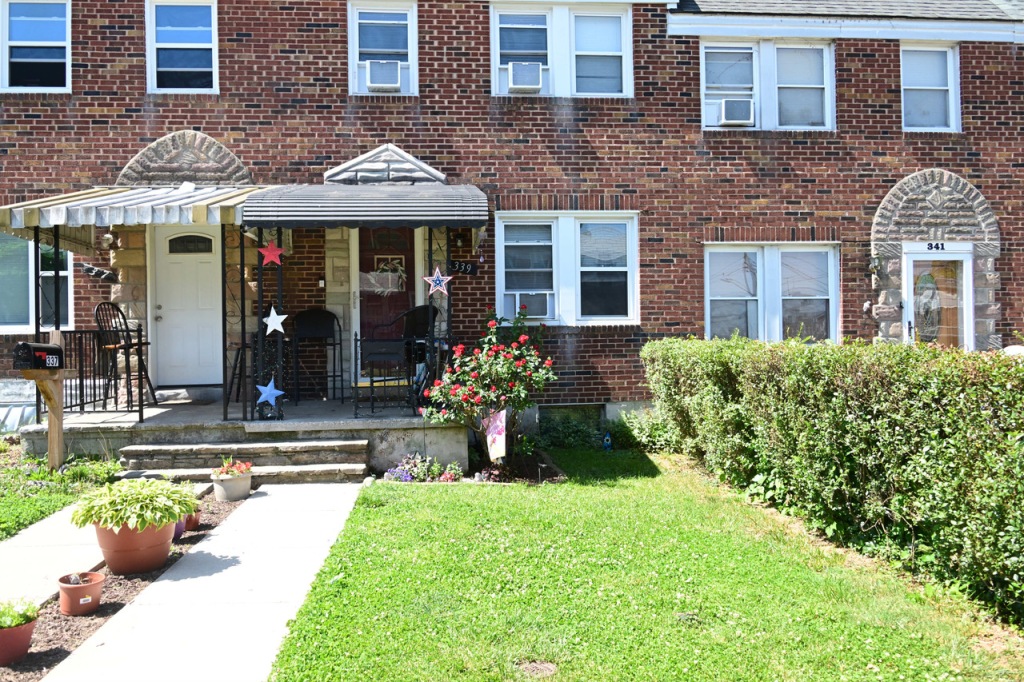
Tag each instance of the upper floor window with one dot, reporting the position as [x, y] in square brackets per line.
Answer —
[382, 51]
[768, 85]
[931, 93]
[36, 46]
[596, 61]
[182, 42]
[771, 292]
[17, 279]
[572, 269]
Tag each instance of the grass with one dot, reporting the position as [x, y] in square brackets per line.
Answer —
[29, 492]
[622, 573]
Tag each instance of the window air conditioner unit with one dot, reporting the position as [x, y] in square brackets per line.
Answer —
[524, 77]
[736, 112]
[383, 76]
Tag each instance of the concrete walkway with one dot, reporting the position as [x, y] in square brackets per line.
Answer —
[221, 611]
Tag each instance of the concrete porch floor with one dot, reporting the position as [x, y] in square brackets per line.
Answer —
[391, 432]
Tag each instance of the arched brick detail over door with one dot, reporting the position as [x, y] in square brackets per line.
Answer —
[935, 206]
[185, 156]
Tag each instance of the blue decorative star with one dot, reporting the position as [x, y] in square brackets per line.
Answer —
[268, 394]
[437, 282]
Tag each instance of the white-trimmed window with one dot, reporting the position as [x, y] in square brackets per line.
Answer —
[383, 49]
[36, 40]
[768, 85]
[568, 268]
[17, 278]
[931, 92]
[181, 41]
[771, 292]
[596, 61]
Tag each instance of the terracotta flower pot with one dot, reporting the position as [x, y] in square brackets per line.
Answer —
[231, 488]
[81, 599]
[129, 551]
[192, 521]
[15, 642]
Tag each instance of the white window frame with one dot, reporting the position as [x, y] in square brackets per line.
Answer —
[566, 264]
[354, 65]
[151, 47]
[68, 274]
[953, 87]
[6, 45]
[559, 76]
[769, 284]
[766, 82]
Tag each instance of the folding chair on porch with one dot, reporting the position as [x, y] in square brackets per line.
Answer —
[116, 336]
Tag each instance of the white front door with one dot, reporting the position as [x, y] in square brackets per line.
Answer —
[186, 306]
[938, 293]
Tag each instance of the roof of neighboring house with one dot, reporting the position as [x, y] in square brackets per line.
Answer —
[960, 10]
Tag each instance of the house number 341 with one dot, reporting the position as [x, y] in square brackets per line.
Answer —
[936, 246]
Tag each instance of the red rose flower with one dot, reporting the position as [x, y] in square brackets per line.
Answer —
[511, 384]
[515, 345]
[426, 393]
[474, 375]
[522, 307]
[547, 363]
[478, 399]
[492, 324]
[437, 382]
[465, 398]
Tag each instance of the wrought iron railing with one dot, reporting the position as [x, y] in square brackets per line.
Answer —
[95, 375]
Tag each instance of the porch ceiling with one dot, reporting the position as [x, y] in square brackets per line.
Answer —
[79, 213]
[373, 205]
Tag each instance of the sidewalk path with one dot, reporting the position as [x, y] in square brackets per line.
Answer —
[221, 611]
[32, 560]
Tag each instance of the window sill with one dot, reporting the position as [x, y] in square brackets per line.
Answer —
[368, 97]
[934, 135]
[63, 94]
[556, 101]
[194, 95]
[811, 133]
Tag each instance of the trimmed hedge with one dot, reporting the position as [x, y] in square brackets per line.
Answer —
[911, 452]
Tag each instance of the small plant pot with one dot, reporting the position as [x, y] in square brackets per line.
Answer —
[15, 642]
[231, 488]
[179, 528]
[192, 521]
[82, 599]
[129, 551]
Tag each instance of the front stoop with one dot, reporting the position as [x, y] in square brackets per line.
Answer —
[303, 461]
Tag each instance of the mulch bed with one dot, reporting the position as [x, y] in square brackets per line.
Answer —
[56, 635]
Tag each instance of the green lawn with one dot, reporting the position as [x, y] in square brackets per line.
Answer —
[29, 492]
[623, 573]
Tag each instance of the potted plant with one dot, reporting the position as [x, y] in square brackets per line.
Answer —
[17, 622]
[232, 480]
[134, 521]
[80, 592]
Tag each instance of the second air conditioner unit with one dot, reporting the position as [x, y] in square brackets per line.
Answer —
[383, 76]
[736, 112]
[524, 77]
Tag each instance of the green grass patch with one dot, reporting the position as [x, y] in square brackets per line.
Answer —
[624, 572]
[29, 492]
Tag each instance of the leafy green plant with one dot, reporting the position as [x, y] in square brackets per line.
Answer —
[136, 503]
[419, 469]
[504, 371]
[229, 468]
[566, 432]
[15, 613]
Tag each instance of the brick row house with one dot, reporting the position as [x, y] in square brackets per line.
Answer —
[627, 171]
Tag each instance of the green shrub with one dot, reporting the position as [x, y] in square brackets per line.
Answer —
[653, 431]
[623, 437]
[137, 503]
[914, 452]
[567, 432]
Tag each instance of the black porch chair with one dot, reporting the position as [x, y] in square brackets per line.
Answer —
[116, 336]
[317, 324]
[398, 365]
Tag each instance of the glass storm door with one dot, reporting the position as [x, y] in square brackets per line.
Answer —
[938, 300]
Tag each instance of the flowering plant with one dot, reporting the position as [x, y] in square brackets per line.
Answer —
[229, 467]
[503, 372]
[422, 469]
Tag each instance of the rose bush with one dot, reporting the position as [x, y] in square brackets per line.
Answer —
[504, 371]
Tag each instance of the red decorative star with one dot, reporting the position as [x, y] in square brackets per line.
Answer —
[437, 282]
[271, 253]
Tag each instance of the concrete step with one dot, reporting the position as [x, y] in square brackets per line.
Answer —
[262, 453]
[303, 473]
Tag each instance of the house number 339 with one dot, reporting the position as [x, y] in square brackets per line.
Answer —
[936, 246]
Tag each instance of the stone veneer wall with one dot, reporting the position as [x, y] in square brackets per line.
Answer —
[935, 206]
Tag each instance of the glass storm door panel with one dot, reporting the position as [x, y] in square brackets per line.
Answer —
[387, 279]
[937, 301]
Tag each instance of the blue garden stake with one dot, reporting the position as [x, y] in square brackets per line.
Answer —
[608, 441]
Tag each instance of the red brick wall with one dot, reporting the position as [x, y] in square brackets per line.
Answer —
[284, 110]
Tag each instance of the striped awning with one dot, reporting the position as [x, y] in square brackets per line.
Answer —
[79, 213]
[369, 205]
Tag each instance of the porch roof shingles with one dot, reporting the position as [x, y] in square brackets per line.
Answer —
[975, 10]
[373, 205]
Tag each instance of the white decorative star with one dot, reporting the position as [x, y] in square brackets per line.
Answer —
[268, 394]
[274, 321]
[437, 282]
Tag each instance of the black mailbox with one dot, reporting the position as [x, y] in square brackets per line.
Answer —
[38, 356]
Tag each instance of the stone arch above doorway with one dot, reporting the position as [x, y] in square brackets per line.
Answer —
[935, 205]
[185, 156]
